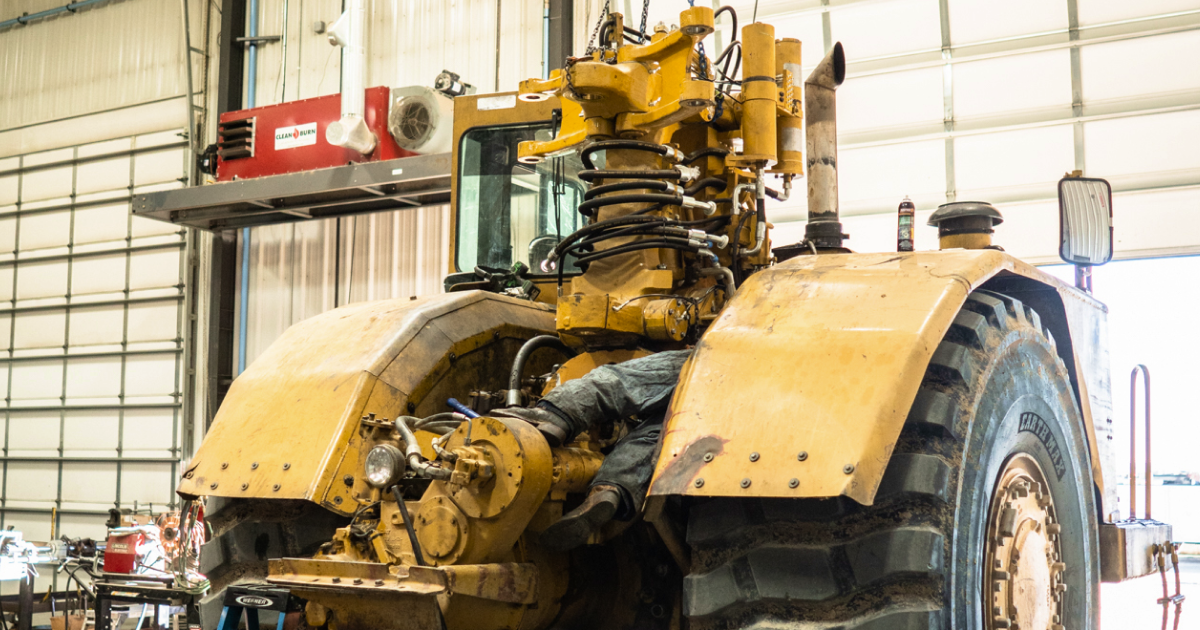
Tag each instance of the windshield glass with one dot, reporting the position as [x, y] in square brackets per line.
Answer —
[508, 211]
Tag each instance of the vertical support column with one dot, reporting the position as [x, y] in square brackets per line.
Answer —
[12, 338]
[223, 254]
[826, 27]
[562, 25]
[1076, 82]
[948, 98]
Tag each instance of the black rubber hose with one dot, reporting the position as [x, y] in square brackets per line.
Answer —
[705, 152]
[707, 182]
[541, 341]
[636, 184]
[732, 14]
[408, 524]
[584, 231]
[585, 155]
[668, 173]
[633, 247]
[612, 200]
[736, 244]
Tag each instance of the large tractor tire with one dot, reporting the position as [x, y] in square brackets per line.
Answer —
[985, 518]
[247, 533]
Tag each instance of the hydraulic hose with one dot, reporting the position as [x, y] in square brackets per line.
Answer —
[586, 208]
[760, 231]
[637, 184]
[585, 155]
[412, 452]
[681, 245]
[518, 368]
[707, 182]
[665, 173]
[705, 152]
[408, 525]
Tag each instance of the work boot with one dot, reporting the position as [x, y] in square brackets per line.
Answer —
[579, 524]
[545, 421]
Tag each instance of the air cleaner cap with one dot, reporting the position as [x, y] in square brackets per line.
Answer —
[965, 224]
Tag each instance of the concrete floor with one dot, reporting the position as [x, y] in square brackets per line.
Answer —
[1131, 606]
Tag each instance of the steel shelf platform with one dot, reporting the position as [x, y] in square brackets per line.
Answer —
[409, 182]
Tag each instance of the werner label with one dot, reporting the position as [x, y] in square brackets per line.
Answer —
[295, 136]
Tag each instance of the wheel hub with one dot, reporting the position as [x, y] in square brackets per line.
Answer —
[1024, 552]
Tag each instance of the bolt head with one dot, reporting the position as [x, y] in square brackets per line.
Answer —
[848, 468]
[802, 455]
[348, 480]
[794, 483]
[699, 483]
[746, 482]
[336, 500]
[378, 582]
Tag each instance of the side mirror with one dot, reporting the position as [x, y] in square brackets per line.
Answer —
[1085, 221]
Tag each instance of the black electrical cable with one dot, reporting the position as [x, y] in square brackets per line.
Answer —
[586, 207]
[707, 182]
[637, 184]
[669, 173]
[705, 152]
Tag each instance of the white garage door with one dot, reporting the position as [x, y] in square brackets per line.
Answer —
[91, 342]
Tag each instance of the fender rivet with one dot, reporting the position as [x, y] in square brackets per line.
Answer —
[699, 483]
[708, 457]
[746, 482]
[848, 468]
[794, 483]
[753, 457]
[802, 456]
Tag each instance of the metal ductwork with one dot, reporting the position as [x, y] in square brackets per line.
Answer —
[820, 114]
[349, 32]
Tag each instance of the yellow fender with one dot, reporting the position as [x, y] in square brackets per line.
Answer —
[809, 373]
[288, 428]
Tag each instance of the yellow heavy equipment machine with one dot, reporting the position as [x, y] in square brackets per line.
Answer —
[893, 440]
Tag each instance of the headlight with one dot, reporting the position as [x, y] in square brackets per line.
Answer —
[385, 464]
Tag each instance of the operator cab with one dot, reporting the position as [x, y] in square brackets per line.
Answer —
[509, 213]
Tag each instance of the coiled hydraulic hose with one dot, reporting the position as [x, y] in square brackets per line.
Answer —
[527, 350]
[585, 155]
[412, 452]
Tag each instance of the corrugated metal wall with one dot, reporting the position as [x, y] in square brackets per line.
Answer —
[122, 53]
[92, 335]
[302, 269]
[964, 99]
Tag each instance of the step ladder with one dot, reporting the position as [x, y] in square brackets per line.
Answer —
[247, 601]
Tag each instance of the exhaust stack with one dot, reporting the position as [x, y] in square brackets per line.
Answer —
[820, 115]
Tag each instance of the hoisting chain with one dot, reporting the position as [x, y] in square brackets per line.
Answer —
[591, 47]
[1160, 556]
